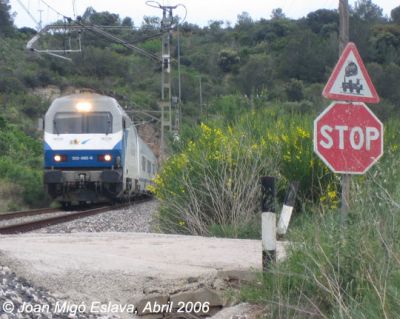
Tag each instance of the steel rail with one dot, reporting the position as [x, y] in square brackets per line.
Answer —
[33, 212]
[41, 223]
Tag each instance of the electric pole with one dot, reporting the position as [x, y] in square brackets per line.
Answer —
[178, 118]
[343, 24]
[343, 40]
[167, 23]
[200, 97]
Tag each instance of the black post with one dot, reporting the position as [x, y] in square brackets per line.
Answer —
[268, 193]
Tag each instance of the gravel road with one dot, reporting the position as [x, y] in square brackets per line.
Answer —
[137, 218]
[125, 267]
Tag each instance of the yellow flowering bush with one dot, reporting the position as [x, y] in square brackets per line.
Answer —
[213, 177]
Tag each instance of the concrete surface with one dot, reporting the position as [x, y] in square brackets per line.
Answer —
[123, 267]
[240, 311]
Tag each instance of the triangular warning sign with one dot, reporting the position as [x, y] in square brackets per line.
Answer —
[349, 80]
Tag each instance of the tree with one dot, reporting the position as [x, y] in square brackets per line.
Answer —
[273, 30]
[105, 18]
[395, 15]
[127, 22]
[305, 56]
[216, 31]
[364, 17]
[244, 20]
[6, 19]
[295, 90]
[368, 11]
[387, 82]
[228, 59]
[101, 18]
[243, 28]
[256, 74]
[151, 23]
[386, 43]
[215, 25]
[277, 14]
[322, 20]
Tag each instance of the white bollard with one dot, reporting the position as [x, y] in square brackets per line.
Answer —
[268, 230]
[287, 208]
[284, 219]
[268, 221]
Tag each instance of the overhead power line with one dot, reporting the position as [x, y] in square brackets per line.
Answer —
[37, 23]
[56, 11]
[97, 29]
[90, 27]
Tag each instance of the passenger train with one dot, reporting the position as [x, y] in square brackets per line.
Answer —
[92, 151]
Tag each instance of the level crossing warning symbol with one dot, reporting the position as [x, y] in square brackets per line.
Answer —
[350, 80]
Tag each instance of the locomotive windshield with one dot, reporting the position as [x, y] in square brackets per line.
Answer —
[82, 123]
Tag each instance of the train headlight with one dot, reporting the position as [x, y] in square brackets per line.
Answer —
[105, 158]
[59, 158]
[83, 106]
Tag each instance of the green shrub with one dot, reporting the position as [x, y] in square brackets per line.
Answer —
[21, 164]
[213, 178]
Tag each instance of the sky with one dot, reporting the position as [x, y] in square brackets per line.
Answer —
[199, 12]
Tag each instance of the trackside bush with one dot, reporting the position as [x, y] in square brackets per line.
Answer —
[21, 164]
[210, 186]
[212, 181]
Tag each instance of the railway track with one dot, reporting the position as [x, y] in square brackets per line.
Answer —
[26, 213]
[24, 227]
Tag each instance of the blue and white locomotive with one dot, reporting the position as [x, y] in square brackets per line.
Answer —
[92, 151]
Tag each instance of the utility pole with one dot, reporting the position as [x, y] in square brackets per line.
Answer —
[200, 96]
[343, 24]
[165, 103]
[167, 24]
[343, 40]
[179, 109]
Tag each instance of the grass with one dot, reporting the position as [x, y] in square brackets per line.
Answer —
[337, 271]
[10, 198]
[350, 271]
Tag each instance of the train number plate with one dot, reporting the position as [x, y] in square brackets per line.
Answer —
[82, 158]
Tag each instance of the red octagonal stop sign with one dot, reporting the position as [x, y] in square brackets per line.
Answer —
[348, 137]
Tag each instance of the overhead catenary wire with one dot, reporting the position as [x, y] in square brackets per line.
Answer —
[97, 29]
[91, 27]
[56, 11]
[37, 23]
[74, 8]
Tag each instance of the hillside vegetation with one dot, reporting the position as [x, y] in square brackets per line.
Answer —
[261, 90]
[246, 66]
